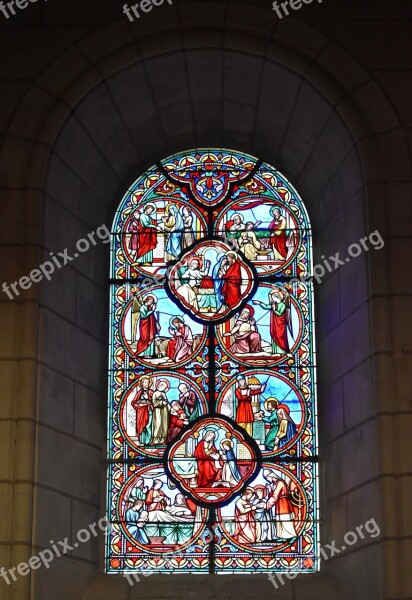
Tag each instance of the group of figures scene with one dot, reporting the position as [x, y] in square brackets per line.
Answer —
[270, 511]
[266, 330]
[212, 460]
[155, 331]
[264, 232]
[156, 514]
[158, 407]
[210, 297]
[157, 233]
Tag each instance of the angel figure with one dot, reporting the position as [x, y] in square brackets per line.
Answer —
[144, 314]
[280, 319]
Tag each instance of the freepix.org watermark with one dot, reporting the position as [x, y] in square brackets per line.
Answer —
[144, 6]
[9, 8]
[57, 550]
[328, 265]
[133, 577]
[283, 9]
[333, 263]
[46, 269]
[370, 528]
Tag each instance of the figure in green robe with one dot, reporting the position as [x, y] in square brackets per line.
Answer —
[272, 419]
[138, 492]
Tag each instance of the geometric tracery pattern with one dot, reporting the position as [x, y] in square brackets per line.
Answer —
[212, 441]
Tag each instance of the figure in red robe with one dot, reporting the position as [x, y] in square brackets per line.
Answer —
[148, 327]
[142, 403]
[278, 234]
[244, 396]
[181, 346]
[206, 454]
[235, 224]
[147, 235]
[280, 320]
[133, 228]
[245, 523]
[156, 499]
[177, 420]
[232, 281]
[280, 507]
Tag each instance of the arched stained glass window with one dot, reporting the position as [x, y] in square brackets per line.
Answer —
[212, 411]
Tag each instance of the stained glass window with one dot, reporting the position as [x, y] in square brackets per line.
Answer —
[212, 450]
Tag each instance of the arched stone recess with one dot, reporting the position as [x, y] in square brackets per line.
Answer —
[127, 97]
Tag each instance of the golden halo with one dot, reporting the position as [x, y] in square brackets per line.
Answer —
[272, 401]
[145, 377]
[228, 441]
[277, 291]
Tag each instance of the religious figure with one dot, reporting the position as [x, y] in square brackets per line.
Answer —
[133, 229]
[207, 456]
[177, 420]
[174, 229]
[138, 492]
[261, 514]
[188, 235]
[232, 281]
[142, 404]
[136, 306]
[249, 245]
[287, 427]
[160, 419]
[144, 235]
[271, 405]
[280, 319]
[218, 271]
[244, 396]
[180, 347]
[245, 524]
[149, 325]
[235, 224]
[246, 334]
[230, 472]
[156, 499]
[191, 279]
[280, 505]
[278, 234]
[180, 507]
[135, 520]
[189, 401]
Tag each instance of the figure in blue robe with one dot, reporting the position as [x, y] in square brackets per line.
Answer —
[230, 472]
[218, 281]
[134, 523]
[174, 226]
